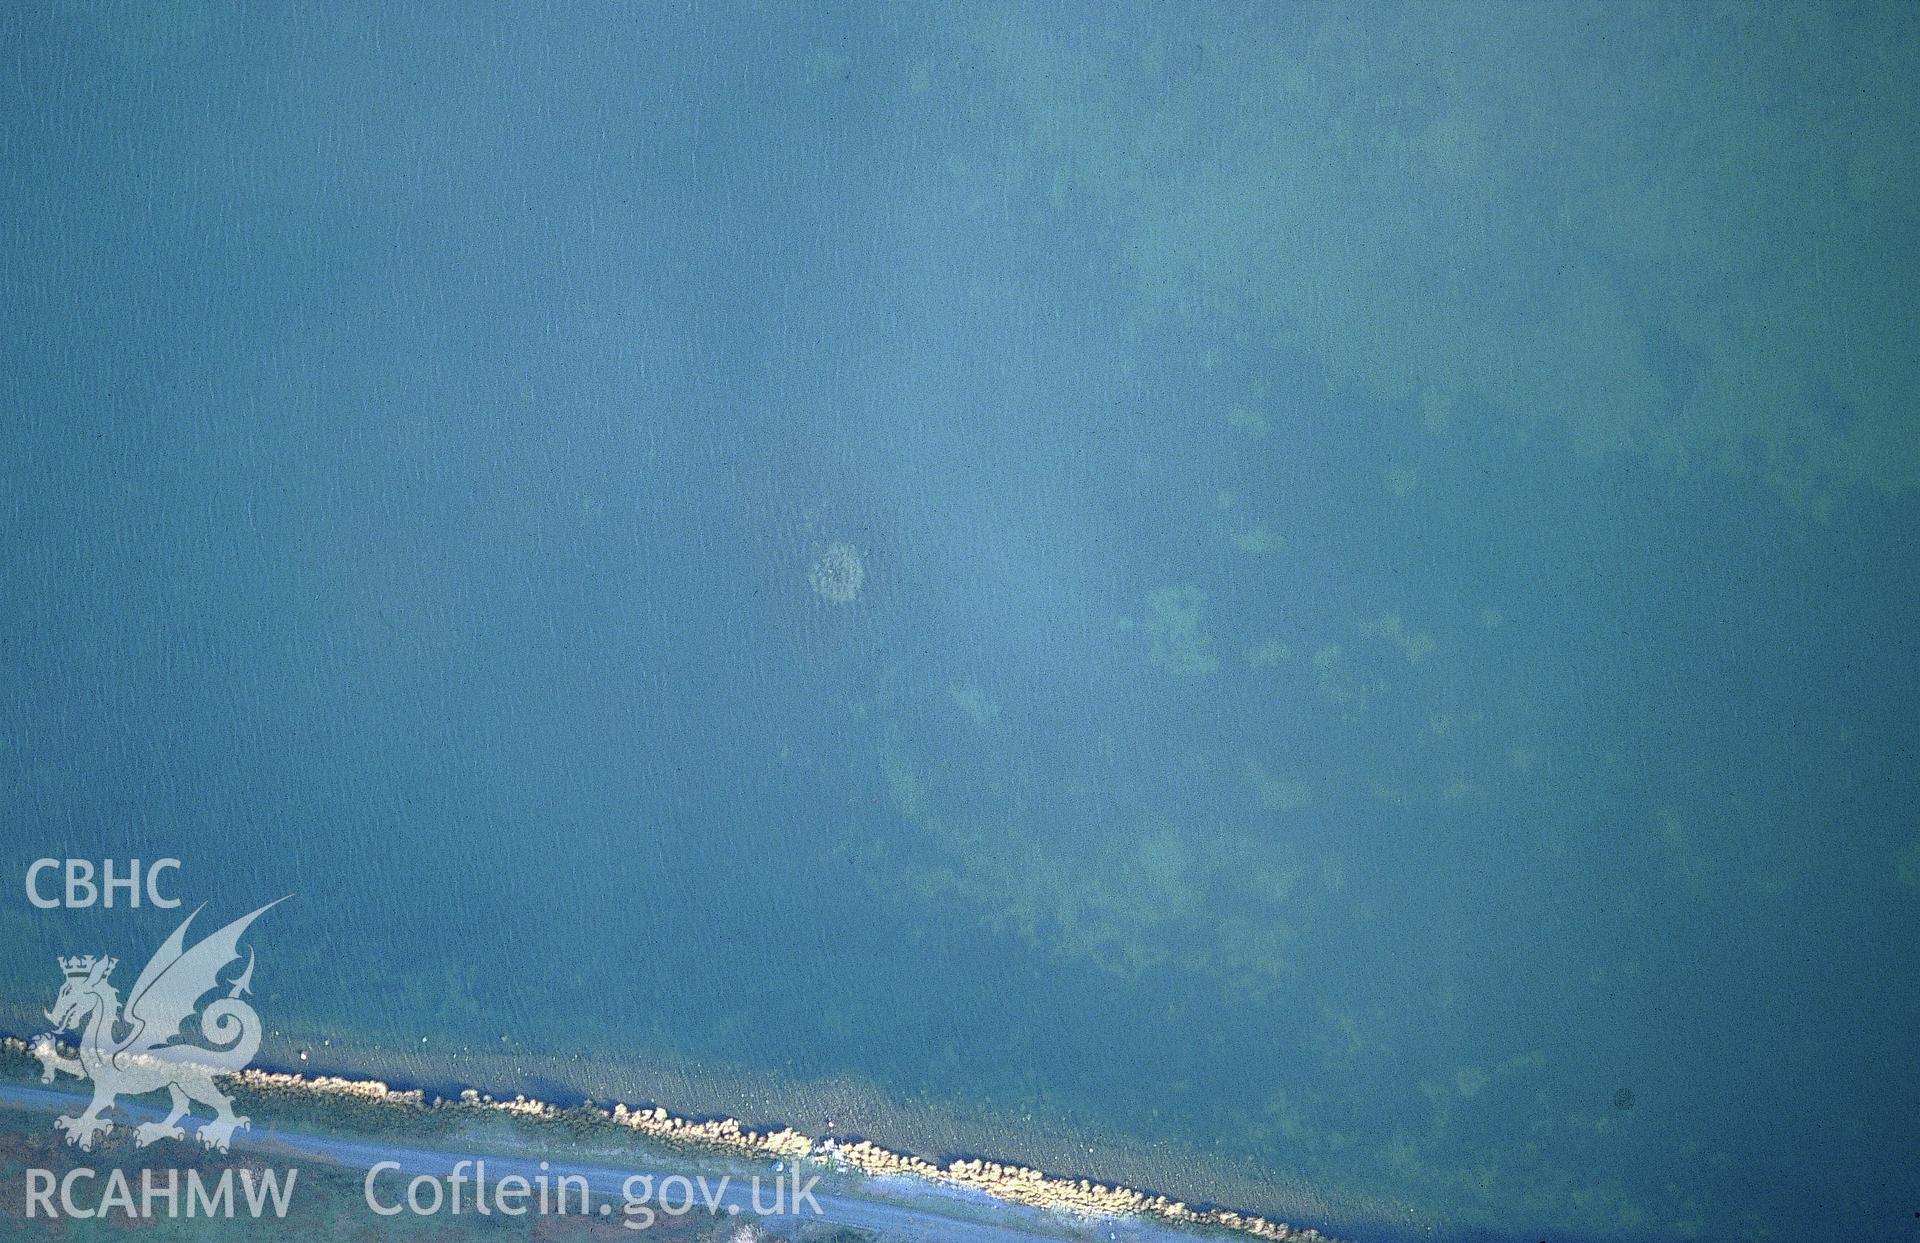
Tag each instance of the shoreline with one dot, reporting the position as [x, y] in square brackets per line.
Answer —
[890, 1212]
[1006, 1183]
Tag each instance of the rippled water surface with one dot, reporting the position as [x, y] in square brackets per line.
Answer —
[1305, 607]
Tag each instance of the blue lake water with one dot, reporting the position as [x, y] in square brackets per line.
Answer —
[1309, 607]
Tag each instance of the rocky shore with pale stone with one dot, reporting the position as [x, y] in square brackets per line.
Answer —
[1015, 1184]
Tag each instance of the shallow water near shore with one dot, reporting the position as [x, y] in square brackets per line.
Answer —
[1303, 610]
[569, 1167]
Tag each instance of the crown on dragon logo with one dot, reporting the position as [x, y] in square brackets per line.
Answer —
[78, 968]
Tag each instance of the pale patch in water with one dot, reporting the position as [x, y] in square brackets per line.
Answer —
[838, 574]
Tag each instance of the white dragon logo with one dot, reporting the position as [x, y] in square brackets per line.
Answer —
[141, 1050]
